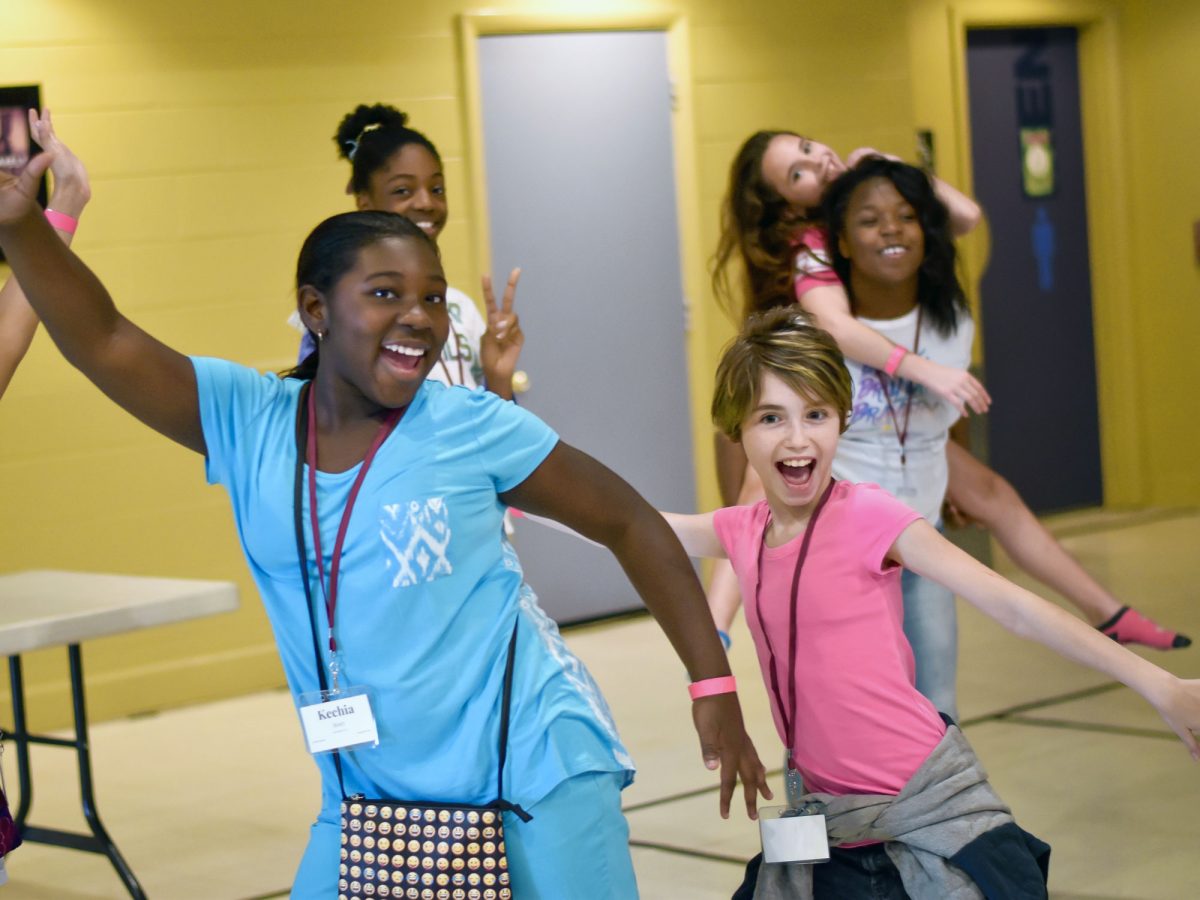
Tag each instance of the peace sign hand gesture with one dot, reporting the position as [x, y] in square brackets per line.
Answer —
[500, 347]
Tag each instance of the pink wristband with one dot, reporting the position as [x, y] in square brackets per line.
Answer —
[893, 361]
[62, 221]
[726, 684]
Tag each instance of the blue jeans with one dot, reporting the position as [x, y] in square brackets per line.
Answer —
[861, 873]
[576, 845]
[931, 626]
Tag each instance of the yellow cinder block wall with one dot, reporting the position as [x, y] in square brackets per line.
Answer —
[207, 132]
[1163, 129]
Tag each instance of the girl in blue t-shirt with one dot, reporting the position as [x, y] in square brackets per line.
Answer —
[427, 594]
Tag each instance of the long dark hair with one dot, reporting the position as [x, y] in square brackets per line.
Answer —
[331, 250]
[370, 135]
[938, 289]
[758, 225]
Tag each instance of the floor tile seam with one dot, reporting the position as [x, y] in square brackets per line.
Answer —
[684, 795]
[1161, 734]
[1044, 703]
[686, 851]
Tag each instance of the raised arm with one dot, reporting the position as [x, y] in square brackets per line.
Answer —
[927, 553]
[141, 374]
[70, 194]
[578, 491]
[830, 306]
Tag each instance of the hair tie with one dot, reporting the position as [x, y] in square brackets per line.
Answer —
[352, 146]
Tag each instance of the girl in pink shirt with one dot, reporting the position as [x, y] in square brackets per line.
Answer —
[819, 561]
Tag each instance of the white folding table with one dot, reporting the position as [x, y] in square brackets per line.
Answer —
[40, 609]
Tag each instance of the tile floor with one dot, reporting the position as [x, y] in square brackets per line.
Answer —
[212, 802]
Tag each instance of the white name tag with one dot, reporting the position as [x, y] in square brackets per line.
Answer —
[794, 838]
[342, 721]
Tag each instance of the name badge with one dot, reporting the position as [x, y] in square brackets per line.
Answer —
[337, 721]
[792, 836]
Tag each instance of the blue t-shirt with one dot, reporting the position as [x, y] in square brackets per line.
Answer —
[428, 591]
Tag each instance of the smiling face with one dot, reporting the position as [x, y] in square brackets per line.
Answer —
[409, 183]
[882, 236]
[790, 442]
[799, 169]
[384, 323]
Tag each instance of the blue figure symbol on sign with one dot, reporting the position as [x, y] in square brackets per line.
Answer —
[1043, 249]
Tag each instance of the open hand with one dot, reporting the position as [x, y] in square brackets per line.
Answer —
[958, 387]
[72, 189]
[724, 744]
[500, 347]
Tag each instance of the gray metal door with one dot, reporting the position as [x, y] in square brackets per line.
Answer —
[581, 195]
[1027, 153]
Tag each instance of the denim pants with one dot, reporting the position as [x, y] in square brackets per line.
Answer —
[931, 626]
[859, 873]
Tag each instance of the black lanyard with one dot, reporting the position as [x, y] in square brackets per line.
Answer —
[902, 434]
[789, 721]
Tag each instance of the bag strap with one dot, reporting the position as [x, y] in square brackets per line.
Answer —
[302, 554]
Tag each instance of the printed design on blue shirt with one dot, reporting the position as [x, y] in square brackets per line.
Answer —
[418, 534]
[870, 406]
[575, 672]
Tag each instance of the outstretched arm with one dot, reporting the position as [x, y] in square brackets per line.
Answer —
[927, 553]
[578, 491]
[70, 195]
[830, 306]
[141, 374]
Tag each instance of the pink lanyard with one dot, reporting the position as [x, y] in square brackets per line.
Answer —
[902, 434]
[386, 427]
[789, 720]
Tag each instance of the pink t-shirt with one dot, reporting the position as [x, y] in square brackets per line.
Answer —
[861, 727]
[813, 267]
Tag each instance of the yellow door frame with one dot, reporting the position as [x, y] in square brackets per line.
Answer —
[1108, 202]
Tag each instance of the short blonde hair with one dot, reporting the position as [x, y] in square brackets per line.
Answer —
[785, 343]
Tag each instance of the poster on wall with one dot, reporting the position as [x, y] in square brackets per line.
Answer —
[16, 143]
[1037, 162]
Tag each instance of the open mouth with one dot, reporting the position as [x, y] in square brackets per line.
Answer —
[893, 252]
[404, 358]
[796, 473]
